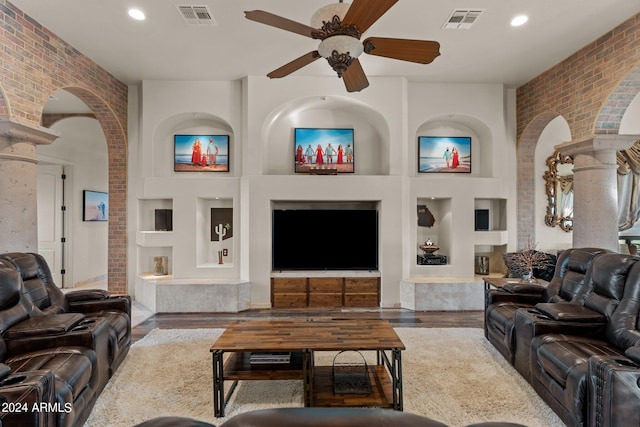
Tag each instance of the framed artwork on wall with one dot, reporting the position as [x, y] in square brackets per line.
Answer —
[201, 153]
[444, 154]
[95, 206]
[221, 224]
[323, 148]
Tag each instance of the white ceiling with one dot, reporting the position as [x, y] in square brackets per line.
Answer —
[165, 47]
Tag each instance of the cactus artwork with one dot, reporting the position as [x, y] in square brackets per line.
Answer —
[221, 224]
[221, 231]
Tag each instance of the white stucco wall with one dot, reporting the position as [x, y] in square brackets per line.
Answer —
[259, 114]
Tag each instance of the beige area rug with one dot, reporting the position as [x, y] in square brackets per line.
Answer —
[451, 375]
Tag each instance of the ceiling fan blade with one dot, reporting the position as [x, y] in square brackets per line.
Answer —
[364, 13]
[354, 78]
[294, 65]
[279, 22]
[420, 51]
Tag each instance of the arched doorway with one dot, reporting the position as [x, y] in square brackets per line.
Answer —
[76, 250]
[115, 136]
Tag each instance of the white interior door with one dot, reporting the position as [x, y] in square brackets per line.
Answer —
[50, 218]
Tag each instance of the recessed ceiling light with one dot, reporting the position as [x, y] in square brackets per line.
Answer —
[137, 14]
[519, 20]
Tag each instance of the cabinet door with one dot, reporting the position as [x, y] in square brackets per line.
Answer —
[362, 292]
[289, 292]
[289, 300]
[325, 299]
[362, 284]
[325, 284]
[361, 300]
[289, 284]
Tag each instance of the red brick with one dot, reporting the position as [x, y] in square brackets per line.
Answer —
[34, 64]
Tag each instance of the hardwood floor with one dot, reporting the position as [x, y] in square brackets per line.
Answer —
[396, 317]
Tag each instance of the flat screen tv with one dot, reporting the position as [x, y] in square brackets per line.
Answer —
[444, 154]
[325, 239]
[318, 148]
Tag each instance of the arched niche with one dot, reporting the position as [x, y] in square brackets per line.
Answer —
[548, 238]
[482, 152]
[186, 124]
[371, 133]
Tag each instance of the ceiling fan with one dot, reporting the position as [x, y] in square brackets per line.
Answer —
[339, 26]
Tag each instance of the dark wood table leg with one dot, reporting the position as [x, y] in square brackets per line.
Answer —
[396, 376]
[218, 384]
[307, 367]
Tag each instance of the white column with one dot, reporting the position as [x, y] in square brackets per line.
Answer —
[18, 184]
[595, 189]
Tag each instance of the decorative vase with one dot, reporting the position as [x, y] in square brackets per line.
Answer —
[160, 265]
[220, 261]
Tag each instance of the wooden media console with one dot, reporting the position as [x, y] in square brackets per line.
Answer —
[325, 291]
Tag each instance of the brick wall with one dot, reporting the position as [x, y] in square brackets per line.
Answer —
[591, 90]
[34, 63]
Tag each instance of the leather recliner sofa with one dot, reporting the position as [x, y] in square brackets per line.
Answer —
[575, 348]
[52, 358]
[501, 304]
[566, 336]
[94, 304]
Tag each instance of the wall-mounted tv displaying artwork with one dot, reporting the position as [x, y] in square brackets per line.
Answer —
[201, 153]
[444, 154]
[323, 148]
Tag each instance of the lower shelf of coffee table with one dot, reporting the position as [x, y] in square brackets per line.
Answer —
[381, 390]
[238, 367]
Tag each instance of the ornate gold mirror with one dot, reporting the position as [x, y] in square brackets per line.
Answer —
[559, 187]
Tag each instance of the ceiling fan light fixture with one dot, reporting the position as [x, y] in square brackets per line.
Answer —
[340, 51]
[340, 44]
[326, 13]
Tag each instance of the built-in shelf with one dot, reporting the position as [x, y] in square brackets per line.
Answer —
[496, 210]
[154, 238]
[435, 226]
[147, 213]
[146, 255]
[216, 265]
[208, 249]
[491, 238]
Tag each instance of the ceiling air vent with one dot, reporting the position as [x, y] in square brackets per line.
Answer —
[196, 15]
[462, 19]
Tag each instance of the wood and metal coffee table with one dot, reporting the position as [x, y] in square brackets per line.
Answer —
[302, 338]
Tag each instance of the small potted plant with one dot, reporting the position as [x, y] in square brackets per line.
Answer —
[529, 258]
